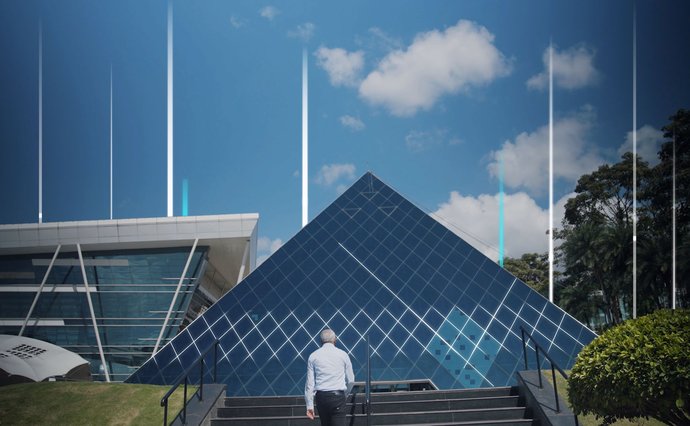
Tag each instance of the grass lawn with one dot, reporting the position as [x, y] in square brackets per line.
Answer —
[590, 420]
[86, 403]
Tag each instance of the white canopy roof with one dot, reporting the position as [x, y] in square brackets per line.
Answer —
[35, 359]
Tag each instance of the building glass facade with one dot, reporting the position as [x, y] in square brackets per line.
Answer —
[373, 264]
[137, 295]
[130, 291]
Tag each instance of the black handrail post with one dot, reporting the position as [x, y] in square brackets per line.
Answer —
[536, 352]
[184, 403]
[555, 389]
[524, 347]
[215, 361]
[554, 367]
[185, 377]
[368, 383]
[201, 380]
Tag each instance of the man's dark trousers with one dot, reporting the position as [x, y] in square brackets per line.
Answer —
[330, 406]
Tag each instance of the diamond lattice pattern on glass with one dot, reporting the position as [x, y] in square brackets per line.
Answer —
[373, 264]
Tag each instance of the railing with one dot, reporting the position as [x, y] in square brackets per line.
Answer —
[184, 378]
[367, 386]
[554, 366]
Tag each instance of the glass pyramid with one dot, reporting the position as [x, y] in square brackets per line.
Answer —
[373, 264]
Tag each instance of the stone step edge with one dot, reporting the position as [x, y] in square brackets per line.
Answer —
[386, 394]
[349, 404]
[471, 410]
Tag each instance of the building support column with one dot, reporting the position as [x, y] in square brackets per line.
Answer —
[174, 299]
[93, 315]
[244, 262]
[40, 289]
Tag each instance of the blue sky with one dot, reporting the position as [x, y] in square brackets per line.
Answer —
[425, 94]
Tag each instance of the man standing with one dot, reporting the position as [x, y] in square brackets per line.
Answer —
[329, 380]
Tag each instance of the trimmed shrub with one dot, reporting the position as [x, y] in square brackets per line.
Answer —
[640, 368]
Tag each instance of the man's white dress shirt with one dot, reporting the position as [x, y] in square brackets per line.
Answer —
[328, 369]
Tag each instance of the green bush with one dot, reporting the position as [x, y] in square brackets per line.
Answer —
[640, 368]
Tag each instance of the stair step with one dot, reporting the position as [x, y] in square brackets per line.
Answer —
[508, 422]
[447, 394]
[461, 407]
[249, 401]
[380, 406]
[420, 417]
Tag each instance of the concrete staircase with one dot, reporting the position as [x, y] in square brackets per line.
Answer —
[489, 406]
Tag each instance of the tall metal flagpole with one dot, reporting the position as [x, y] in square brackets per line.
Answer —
[501, 210]
[673, 222]
[305, 140]
[40, 121]
[111, 142]
[170, 109]
[551, 172]
[634, 266]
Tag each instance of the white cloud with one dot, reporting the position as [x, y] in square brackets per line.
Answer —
[269, 12]
[266, 247]
[343, 67]
[526, 159]
[435, 64]
[649, 142]
[572, 69]
[269, 245]
[352, 123]
[237, 22]
[475, 219]
[378, 39]
[303, 32]
[418, 141]
[330, 173]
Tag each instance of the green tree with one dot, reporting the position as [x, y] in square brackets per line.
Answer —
[594, 257]
[654, 263]
[679, 131]
[582, 302]
[596, 253]
[656, 249]
[639, 368]
[605, 196]
[532, 269]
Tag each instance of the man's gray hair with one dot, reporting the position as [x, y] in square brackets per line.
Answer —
[327, 336]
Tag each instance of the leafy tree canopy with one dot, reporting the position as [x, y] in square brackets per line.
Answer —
[532, 269]
[640, 368]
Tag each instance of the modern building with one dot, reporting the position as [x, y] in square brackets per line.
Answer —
[373, 264]
[114, 291]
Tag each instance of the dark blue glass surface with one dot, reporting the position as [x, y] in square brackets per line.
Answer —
[374, 264]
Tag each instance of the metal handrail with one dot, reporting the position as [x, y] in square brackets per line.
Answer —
[367, 387]
[554, 366]
[184, 378]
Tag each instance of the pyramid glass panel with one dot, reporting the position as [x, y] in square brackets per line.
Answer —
[373, 264]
